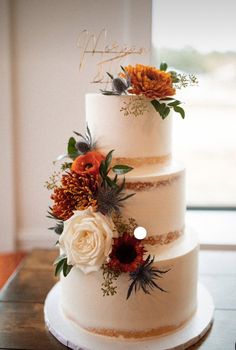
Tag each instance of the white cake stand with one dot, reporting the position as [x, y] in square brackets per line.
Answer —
[72, 336]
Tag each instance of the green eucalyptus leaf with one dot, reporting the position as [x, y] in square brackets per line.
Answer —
[60, 266]
[110, 182]
[69, 267]
[103, 169]
[71, 145]
[174, 103]
[121, 169]
[73, 155]
[108, 159]
[102, 173]
[59, 258]
[66, 268]
[165, 112]
[167, 99]
[103, 165]
[161, 108]
[174, 77]
[163, 66]
[71, 149]
[156, 104]
[180, 111]
[176, 80]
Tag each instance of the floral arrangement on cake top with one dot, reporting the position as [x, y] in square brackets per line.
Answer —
[157, 86]
[88, 195]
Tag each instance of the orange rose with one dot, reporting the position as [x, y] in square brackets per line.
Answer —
[88, 163]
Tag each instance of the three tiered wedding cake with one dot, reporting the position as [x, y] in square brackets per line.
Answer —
[159, 206]
[128, 265]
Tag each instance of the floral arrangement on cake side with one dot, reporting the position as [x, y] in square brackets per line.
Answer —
[150, 84]
[88, 194]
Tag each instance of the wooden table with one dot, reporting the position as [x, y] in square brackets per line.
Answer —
[22, 299]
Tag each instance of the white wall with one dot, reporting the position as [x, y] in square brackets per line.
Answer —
[7, 190]
[47, 97]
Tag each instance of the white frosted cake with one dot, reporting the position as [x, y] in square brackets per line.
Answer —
[114, 282]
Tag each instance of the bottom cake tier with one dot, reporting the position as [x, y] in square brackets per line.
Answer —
[142, 315]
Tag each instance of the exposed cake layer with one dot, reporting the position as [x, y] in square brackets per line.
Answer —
[142, 315]
[143, 136]
[159, 200]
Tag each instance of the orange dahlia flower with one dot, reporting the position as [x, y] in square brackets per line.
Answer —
[88, 163]
[150, 81]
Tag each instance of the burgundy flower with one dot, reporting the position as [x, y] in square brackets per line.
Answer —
[127, 254]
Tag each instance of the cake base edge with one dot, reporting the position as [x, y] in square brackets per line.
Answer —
[74, 337]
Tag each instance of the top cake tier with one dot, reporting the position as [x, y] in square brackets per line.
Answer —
[145, 137]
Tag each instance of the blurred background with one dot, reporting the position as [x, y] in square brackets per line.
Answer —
[42, 97]
[198, 38]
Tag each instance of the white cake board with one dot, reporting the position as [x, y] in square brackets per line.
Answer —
[72, 336]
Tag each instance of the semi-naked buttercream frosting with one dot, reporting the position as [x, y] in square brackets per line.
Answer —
[142, 315]
[143, 142]
[137, 137]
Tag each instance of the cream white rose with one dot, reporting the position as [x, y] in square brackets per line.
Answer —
[87, 239]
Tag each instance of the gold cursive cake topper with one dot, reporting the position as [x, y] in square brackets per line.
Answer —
[110, 54]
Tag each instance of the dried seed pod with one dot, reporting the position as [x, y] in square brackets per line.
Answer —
[120, 85]
[59, 228]
[82, 147]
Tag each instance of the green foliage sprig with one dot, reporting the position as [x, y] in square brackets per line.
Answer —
[111, 192]
[53, 180]
[58, 228]
[76, 148]
[66, 166]
[62, 266]
[183, 80]
[109, 277]
[179, 80]
[72, 152]
[135, 107]
[124, 225]
[106, 167]
[164, 107]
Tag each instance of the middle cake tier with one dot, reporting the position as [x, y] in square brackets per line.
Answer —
[159, 201]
